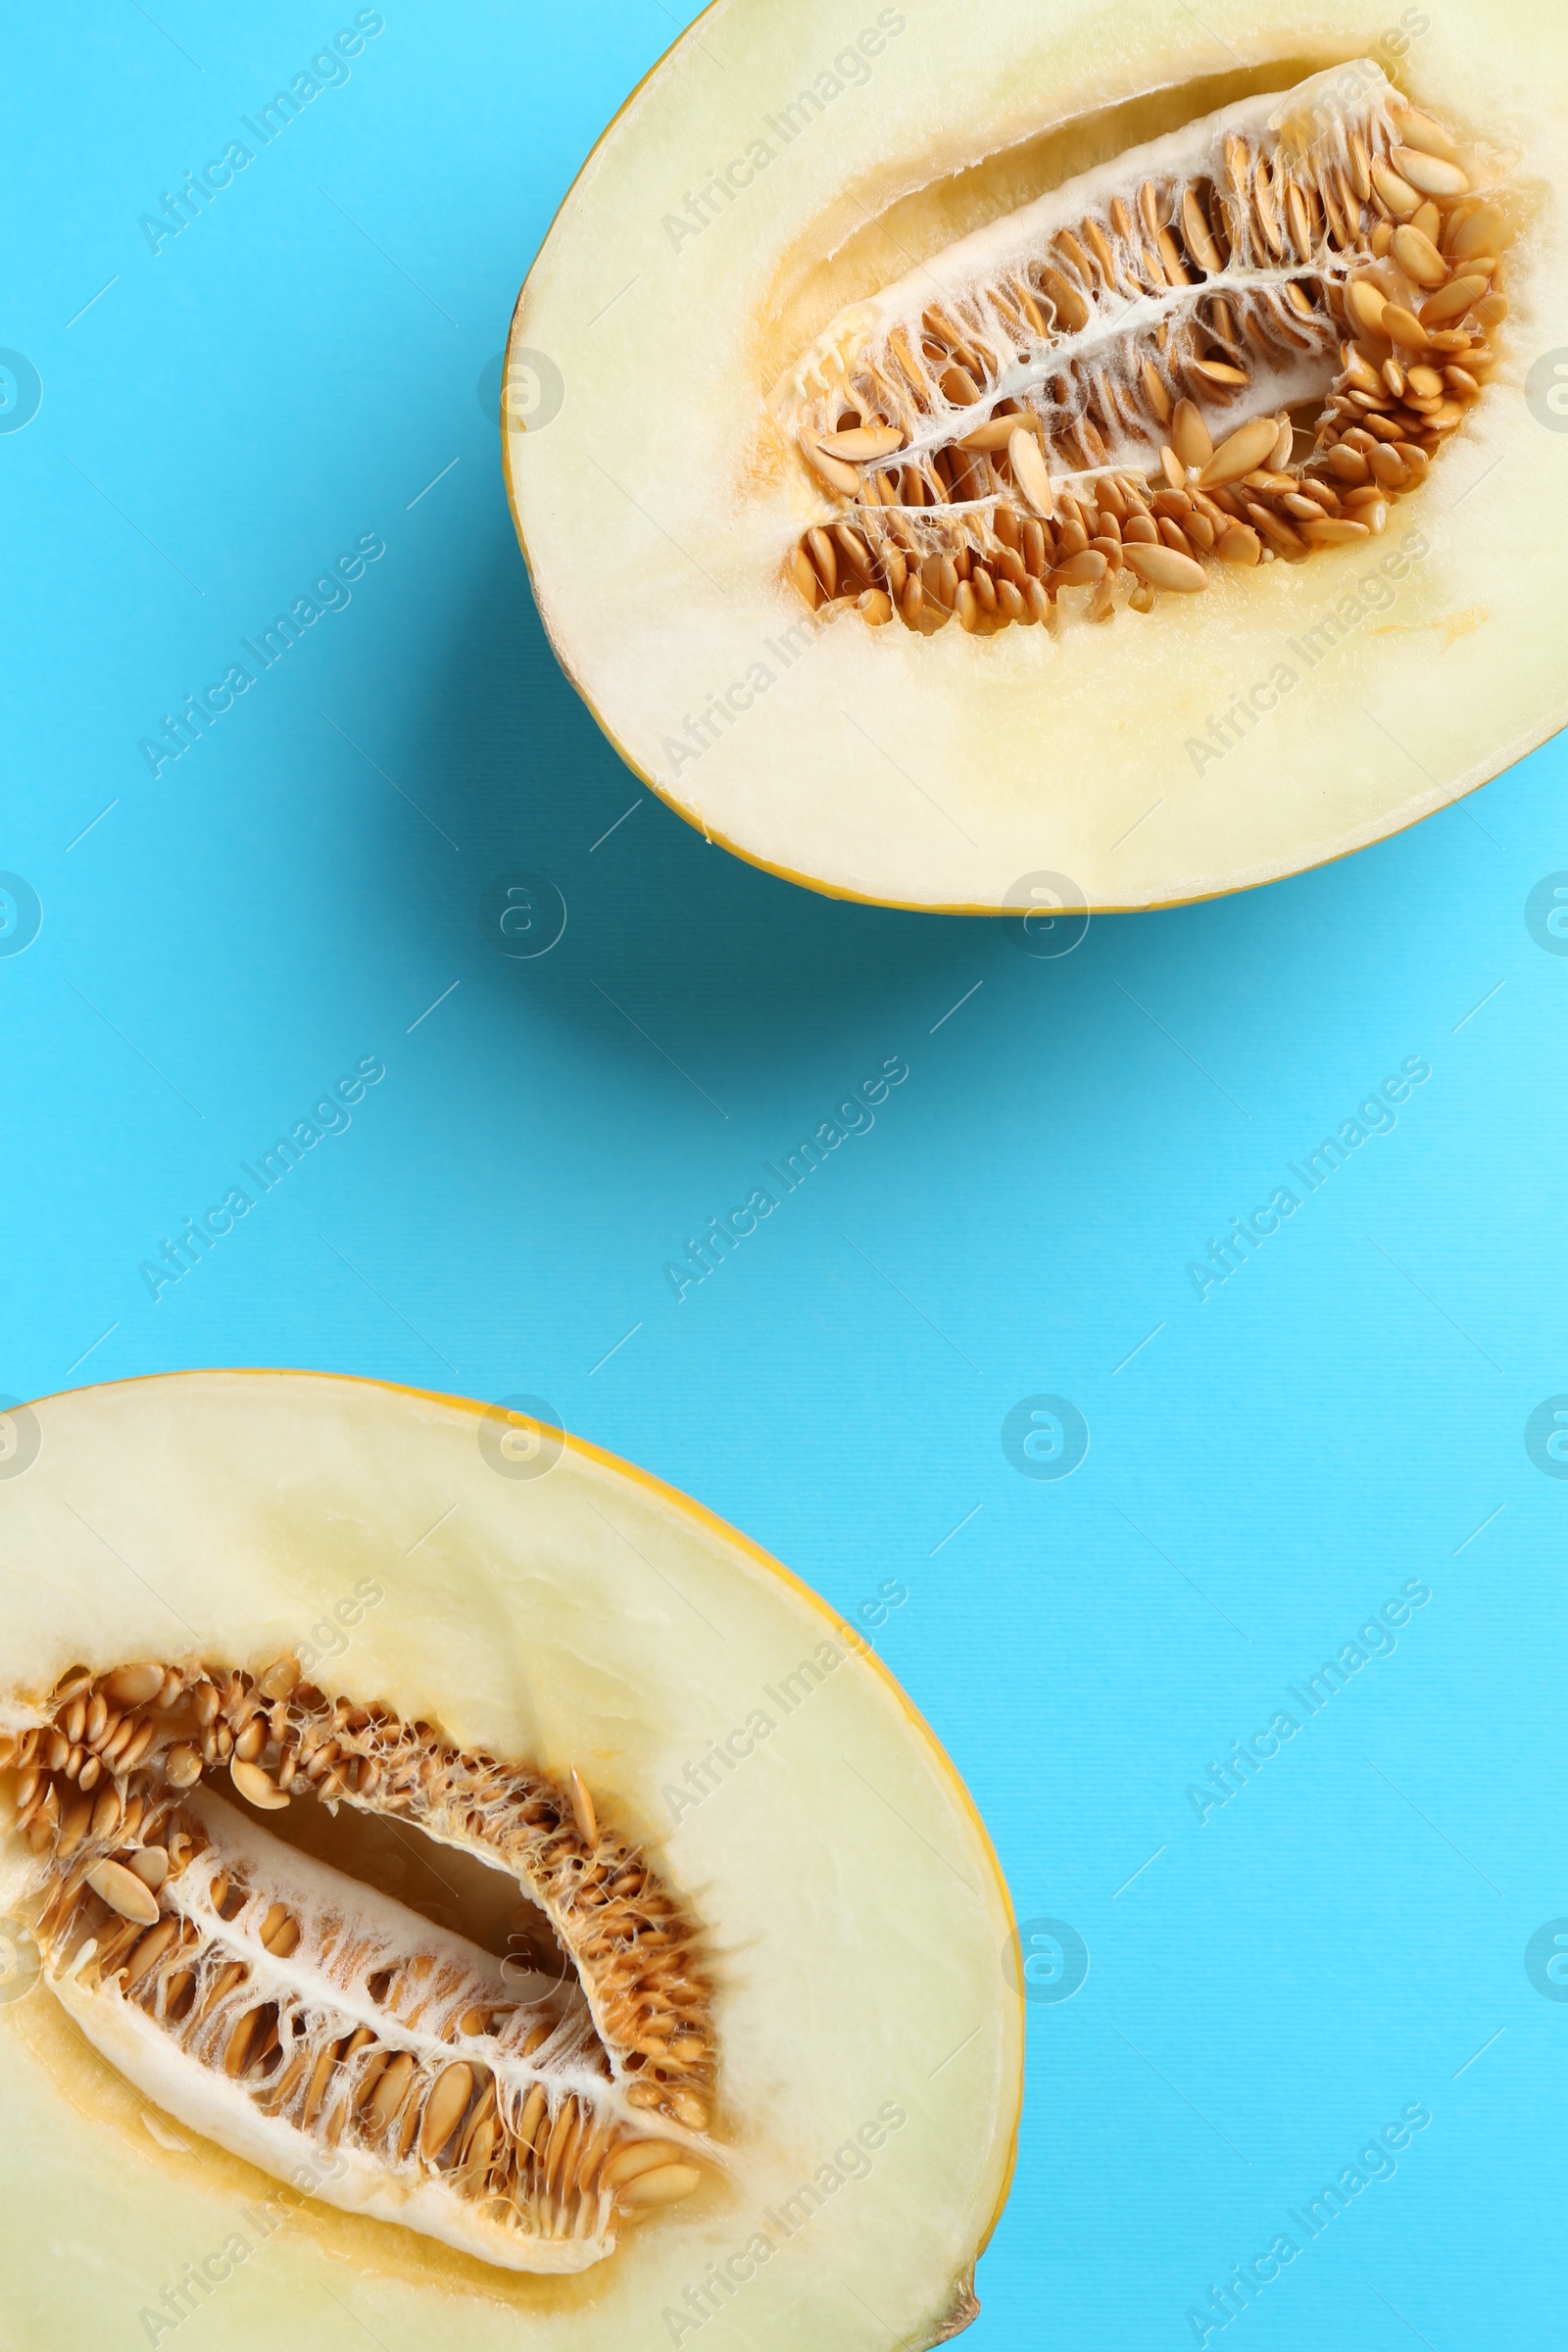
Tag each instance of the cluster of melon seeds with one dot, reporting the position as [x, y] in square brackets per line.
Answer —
[321, 2027]
[1236, 345]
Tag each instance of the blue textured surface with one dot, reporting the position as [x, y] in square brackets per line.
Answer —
[296, 374]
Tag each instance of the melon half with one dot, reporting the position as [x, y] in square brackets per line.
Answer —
[446, 1875]
[1004, 458]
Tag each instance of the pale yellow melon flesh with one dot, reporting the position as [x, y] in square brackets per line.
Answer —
[659, 500]
[587, 1617]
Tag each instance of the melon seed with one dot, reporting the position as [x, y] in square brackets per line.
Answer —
[1458, 296]
[638, 2156]
[1240, 453]
[124, 1893]
[1419, 258]
[1432, 175]
[444, 2108]
[132, 1685]
[254, 1787]
[149, 1951]
[582, 1809]
[665, 2187]
[1031, 472]
[1424, 132]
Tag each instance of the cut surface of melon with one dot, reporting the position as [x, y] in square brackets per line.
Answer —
[513, 1902]
[1032, 461]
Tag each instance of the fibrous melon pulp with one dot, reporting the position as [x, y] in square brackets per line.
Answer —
[986, 457]
[440, 1866]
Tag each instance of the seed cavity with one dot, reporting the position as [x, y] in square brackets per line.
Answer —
[523, 2103]
[1237, 346]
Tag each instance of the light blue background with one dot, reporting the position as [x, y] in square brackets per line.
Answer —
[1345, 1413]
